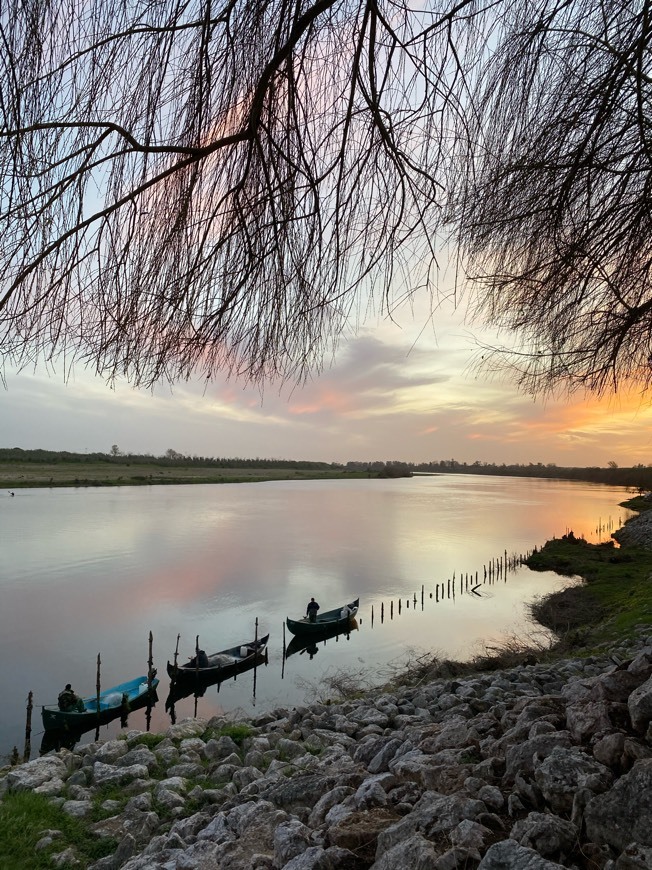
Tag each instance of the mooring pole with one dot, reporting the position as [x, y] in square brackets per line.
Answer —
[28, 729]
[150, 664]
[98, 684]
[176, 656]
[255, 653]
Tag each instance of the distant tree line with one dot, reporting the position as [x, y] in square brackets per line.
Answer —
[637, 476]
[170, 458]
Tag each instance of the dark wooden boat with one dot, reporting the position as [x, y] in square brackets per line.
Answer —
[308, 643]
[113, 702]
[188, 688]
[330, 619]
[221, 665]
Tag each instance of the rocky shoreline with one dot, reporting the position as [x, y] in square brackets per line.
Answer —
[539, 766]
[637, 532]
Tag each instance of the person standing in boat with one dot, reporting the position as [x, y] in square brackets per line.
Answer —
[69, 701]
[311, 610]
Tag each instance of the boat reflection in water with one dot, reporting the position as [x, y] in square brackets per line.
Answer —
[309, 645]
[188, 688]
[67, 738]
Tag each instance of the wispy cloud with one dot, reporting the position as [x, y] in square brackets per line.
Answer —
[387, 395]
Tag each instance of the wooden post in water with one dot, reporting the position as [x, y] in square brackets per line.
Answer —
[176, 656]
[382, 611]
[391, 609]
[196, 665]
[422, 590]
[150, 664]
[372, 616]
[27, 751]
[255, 653]
[283, 657]
[98, 684]
[254, 687]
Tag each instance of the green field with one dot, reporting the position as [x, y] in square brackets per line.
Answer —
[16, 475]
[616, 595]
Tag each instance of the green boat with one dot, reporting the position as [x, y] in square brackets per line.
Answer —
[338, 620]
[113, 702]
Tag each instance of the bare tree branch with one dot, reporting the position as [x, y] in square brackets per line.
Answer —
[202, 185]
[194, 185]
[555, 216]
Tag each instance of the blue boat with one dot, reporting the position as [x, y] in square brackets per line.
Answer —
[113, 702]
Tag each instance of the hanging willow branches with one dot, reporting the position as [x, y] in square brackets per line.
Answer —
[556, 216]
[194, 186]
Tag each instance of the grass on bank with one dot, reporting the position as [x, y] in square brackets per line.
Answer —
[615, 597]
[25, 817]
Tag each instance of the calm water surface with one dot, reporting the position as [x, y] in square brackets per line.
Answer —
[92, 571]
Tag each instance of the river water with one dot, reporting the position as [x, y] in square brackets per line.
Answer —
[91, 572]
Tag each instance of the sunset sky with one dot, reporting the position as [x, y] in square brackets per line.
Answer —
[395, 390]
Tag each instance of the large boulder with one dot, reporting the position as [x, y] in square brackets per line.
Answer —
[623, 814]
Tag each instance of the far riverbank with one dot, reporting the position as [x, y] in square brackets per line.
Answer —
[21, 475]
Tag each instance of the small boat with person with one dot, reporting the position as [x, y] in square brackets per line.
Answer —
[308, 643]
[197, 687]
[220, 665]
[116, 701]
[337, 621]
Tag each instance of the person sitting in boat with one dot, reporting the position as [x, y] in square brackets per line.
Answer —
[69, 701]
[345, 612]
[202, 659]
[311, 610]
